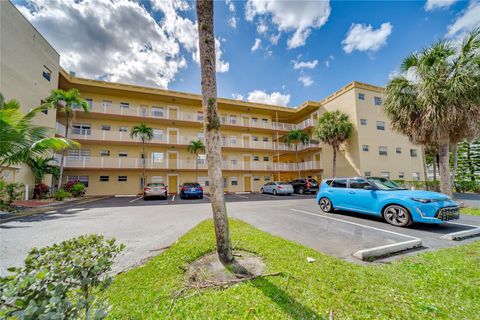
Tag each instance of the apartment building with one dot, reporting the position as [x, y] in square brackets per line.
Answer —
[253, 149]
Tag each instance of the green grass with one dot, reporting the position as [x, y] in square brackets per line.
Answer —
[443, 284]
[470, 211]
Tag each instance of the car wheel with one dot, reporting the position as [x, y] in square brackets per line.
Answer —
[261, 190]
[397, 216]
[325, 205]
[301, 191]
[274, 192]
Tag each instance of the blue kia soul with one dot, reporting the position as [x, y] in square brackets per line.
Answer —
[384, 198]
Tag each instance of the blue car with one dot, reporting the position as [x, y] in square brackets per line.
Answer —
[191, 190]
[384, 198]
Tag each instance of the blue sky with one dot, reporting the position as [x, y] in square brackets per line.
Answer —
[330, 43]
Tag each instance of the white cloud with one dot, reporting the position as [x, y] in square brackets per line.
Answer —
[275, 98]
[327, 63]
[232, 20]
[237, 96]
[230, 5]
[290, 16]
[469, 19]
[304, 64]
[438, 4]
[256, 45]
[364, 38]
[306, 80]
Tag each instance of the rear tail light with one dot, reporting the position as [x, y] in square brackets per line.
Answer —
[280, 187]
[184, 188]
[308, 184]
[147, 189]
[200, 188]
[164, 188]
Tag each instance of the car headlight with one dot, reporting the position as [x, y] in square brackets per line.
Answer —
[421, 200]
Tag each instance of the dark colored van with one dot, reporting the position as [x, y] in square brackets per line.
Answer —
[304, 185]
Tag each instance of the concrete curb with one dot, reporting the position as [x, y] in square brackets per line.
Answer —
[462, 234]
[387, 249]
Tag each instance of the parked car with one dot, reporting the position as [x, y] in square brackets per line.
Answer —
[155, 189]
[277, 187]
[191, 190]
[307, 185]
[384, 198]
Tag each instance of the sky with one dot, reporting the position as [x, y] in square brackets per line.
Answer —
[274, 52]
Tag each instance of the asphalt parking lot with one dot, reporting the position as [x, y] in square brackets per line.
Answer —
[146, 231]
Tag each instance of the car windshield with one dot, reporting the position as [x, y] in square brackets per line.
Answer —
[155, 185]
[385, 184]
[191, 185]
[281, 182]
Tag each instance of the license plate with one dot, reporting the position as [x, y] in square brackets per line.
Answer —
[156, 189]
[192, 189]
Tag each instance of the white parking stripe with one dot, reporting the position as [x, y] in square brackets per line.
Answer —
[463, 224]
[135, 199]
[241, 196]
[206, 197]
[353, 223]
[173, 198]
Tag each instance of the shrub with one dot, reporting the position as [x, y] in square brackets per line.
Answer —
[13, 191]
[40, 190]
[61, 194]
[465, 185]
[76, 188]
[61, 282]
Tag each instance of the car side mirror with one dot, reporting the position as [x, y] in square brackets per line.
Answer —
[369, 188]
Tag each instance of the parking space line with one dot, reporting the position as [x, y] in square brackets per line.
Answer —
[353, 223]
[243, 197]
[206, 197]
[136, 199]
[173, 198]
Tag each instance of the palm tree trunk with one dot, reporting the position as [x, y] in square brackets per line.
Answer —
[196, 167]
[62, 158]
[444, 164]
[434, 163]
[334, 162]
[455, 163]
[296, 160]
[425, 170]
[143, 161]
[211, 128]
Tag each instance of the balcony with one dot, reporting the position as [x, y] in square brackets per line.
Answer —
[177, 164]
[193, 117]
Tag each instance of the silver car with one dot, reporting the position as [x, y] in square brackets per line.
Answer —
[155, 190]
[277, 187]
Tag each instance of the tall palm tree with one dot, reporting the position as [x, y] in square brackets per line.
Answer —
[42, 166]
[195, 147]
[66, 102]
[20, 139]
[211, 125]
[146, 134]
[438, 100]
[296, 137]
[334, 128]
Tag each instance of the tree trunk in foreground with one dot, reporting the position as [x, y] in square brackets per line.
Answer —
[444, 164]
[211, 127]
[434, 163]
[334, 169]
[455, 164]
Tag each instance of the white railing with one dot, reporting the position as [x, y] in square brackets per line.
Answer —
[137, 163]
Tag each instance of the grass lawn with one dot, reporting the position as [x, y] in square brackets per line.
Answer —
[443, 284]
[470, 211]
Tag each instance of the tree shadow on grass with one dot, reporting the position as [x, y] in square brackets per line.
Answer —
[289, 305]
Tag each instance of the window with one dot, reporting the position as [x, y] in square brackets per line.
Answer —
[265, 122]
[223, 118]
[203, 181]
[46, 73]
[233, 161]
[380, 125]
[234, 181]
[367, 174]
[233, 139]
[224, 141]
[363, 122]
[81, 179]
[233, 119]
[256, 178]
[266, 178]
[122, 178]
[157, 134]
[123, 129]
[158, 112]
[202, 159]
[81, 128]
[201, 136]
[255, 138]
[266, 139]
[358, 183]
[382, 150]
[107, 104]
[416, 176]
[158, 157]
[122, 153]
[104, 178]
[124, 105]
[401, 175]
[254, 121]
[90, 102]
[398, 150]
[413, 153]
[339, 183]
[365, 147]
[256, 158]
[199, 115]
[105, 153]
[266, 158]
[377, 101]
[361, 96]
[385, 174]
[79, 154]
[106, 127]
[143, 110]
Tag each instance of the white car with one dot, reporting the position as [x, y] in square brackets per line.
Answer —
[277, 187]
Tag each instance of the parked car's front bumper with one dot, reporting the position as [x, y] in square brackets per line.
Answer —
[436, 212]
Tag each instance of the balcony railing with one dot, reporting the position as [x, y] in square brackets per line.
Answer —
[137, 163]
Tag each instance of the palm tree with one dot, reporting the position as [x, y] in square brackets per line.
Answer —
[195, 147]
[20, 139]
[211, 125]
[146, 134]
[66, 102]
[42, 166]
[334, 128]
[296, 137]
[438, 101]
